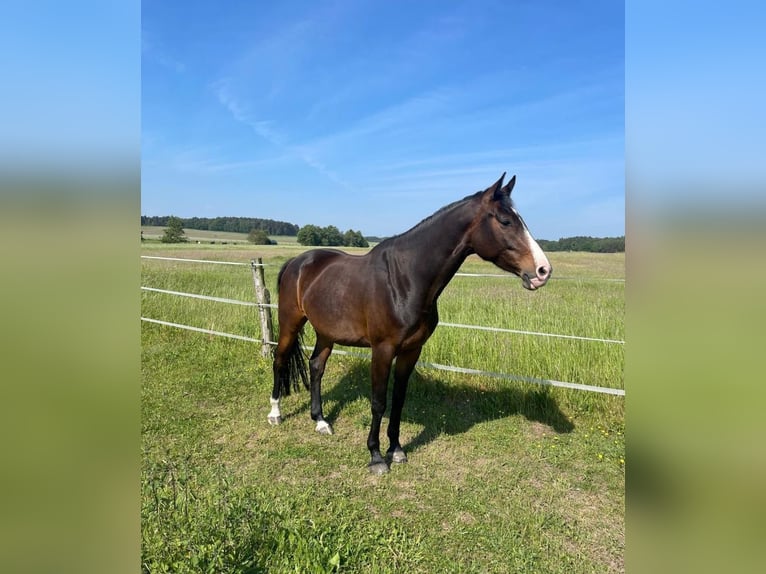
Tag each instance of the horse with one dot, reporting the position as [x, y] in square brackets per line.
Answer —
[387, 298]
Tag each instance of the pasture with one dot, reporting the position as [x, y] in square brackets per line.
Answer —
[504, 476]
[204, 236]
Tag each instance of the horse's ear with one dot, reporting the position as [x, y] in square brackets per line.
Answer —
[495, 189]
[500, 192]
[509, 186]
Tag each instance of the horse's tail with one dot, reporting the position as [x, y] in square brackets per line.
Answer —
[296, 368]
[282, 272]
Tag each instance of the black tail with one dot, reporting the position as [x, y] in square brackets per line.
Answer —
[297, 368]
[295, 361]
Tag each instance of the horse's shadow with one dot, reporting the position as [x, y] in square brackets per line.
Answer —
[450, 408]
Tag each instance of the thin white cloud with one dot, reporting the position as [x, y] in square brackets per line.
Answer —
[268, 131]
[201, 160]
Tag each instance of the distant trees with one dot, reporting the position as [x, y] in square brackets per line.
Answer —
[354, 239]
[260, 230]
[174, 232]
[330, 236]
[310, 235]
[234, 224]
[585, 243]
[259, 237]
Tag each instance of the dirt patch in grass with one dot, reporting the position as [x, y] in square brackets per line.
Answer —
[602, 519]
[539, 430]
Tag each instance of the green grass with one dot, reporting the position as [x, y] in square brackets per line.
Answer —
[154, 232]
[503, 476]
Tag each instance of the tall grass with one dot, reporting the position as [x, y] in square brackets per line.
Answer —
[503, 476]
[585, 305]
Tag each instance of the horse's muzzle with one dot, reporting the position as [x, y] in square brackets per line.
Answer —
[535, 282]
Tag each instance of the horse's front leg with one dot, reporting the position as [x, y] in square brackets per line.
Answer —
[380, 368]
[405, 363]
[317, 363]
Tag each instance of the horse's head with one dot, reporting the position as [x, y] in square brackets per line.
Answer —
[500, 235]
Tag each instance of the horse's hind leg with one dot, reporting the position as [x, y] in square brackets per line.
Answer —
[280, 372]
[288, 334]
[317, 363]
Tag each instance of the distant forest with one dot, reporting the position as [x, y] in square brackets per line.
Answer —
[585, 243]
[271, 227]
[233, 224]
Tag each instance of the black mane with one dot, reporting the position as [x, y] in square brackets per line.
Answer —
[428, 220]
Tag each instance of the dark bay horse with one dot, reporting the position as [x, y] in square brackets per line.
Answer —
[386, 300]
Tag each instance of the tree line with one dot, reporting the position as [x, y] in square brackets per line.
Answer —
[585, 243]
[174, 233]
[232, 224]
[330, 236]
[310, 235]
[313, 235]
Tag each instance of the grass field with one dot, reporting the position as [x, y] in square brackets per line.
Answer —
[503, 476]
[153, 232]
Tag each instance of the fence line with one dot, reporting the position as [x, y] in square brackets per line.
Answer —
[258, 280]
[519, 332]
[441, 324]
[424, 364]
[459, 274]
[205, 297]
[509, 276]
[200, 330]
[193, 260]
[210, 298]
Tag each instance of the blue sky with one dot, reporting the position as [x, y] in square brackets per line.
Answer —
[372, 115]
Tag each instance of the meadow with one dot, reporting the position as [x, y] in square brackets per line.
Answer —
[154, 232]
[504, 476]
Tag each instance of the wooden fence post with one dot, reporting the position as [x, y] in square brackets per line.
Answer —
[262, 298]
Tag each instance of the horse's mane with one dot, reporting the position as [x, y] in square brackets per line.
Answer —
[431, 218]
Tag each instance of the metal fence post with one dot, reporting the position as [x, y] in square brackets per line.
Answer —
[263, 298]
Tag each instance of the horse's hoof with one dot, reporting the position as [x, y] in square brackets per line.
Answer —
[323, 427]
[378, 468]
[274, 420]
[398, 456]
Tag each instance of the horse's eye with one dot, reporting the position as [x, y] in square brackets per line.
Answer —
[502, 221]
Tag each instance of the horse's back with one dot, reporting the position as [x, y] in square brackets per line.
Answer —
[330, 288]
[305, 268]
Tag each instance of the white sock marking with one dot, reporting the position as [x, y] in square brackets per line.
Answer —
[323, 427]
[275, 412]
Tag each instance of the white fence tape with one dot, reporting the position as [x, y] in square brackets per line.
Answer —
[437, 366]
[194, 260]
[441, 323]
[204, 297]
[209, 298]
[459, 274]
[199, 330]
[519, 332]
[558, 278]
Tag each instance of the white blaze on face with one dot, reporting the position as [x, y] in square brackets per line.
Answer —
[542, 265]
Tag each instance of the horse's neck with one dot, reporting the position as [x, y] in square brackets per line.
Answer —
[435, 250]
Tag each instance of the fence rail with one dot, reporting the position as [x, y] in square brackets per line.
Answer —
[195, 260]
[424, 364]
[266, 341]
[459, 274]
[441, 323]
